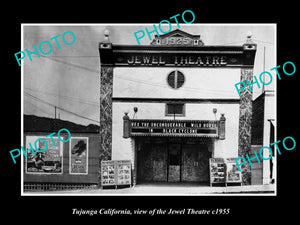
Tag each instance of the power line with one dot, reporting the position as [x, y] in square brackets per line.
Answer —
[37, 107]
[92, 103]
[72, 64]
[182, 88]
[68, 111]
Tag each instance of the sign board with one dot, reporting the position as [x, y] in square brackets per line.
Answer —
[115, 172]
[203, 60]
[183, 128]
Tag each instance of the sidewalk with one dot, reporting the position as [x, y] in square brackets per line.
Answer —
[167, 189]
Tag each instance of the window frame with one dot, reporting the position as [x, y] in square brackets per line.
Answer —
[176, 114]
[167, 80]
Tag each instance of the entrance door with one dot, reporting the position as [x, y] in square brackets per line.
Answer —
[152, 162]
[195, 158]
[174, 162]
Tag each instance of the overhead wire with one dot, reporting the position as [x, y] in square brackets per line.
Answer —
[58, 107]
[92, 103]
[185, 88]
[42, 110]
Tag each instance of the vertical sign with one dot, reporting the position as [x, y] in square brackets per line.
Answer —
[79, 155]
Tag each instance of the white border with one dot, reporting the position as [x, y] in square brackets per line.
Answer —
[139, 24]
[87, 156]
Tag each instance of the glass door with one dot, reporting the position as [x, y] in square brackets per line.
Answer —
[174, 162]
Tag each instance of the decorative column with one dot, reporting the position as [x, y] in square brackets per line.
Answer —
[245, 124]
[246, 108]
[106, 91]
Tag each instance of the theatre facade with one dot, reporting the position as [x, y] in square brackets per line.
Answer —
[172, 110]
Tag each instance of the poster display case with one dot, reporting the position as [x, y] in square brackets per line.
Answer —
[115, 172]
[233, 175]
[217, 171]
[224, 171]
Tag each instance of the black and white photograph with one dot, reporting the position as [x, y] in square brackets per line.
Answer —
[150, 113]
[168, 107]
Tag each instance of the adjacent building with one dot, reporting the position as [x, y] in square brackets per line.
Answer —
[64, 165]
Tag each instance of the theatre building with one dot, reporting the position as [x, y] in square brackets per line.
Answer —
[172, 109]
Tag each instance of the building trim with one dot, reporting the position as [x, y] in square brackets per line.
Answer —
[179, 51]
[177, 100]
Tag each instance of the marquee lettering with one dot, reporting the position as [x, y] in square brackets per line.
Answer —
[148, 60]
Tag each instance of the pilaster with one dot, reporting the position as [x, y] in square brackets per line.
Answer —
[245, 124]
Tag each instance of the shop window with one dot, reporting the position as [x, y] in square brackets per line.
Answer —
[176, 79]
[175, 109]
[79, 155]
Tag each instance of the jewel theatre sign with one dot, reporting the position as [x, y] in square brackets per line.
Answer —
[194, 60]
[176, 48]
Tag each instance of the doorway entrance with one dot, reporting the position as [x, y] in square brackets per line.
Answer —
[176, 160]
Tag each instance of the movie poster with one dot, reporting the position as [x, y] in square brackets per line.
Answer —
[233, 175]
[48, 161]
[79, 155]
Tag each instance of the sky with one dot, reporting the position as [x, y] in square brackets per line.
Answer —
[69, 78]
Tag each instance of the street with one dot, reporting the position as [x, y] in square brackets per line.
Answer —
[166, 189]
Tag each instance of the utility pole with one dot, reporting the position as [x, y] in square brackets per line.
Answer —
[54, 112]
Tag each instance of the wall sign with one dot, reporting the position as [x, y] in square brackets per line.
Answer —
[178, 49]
[184, 128]
[191, 60]
[47, 162]
[177, 38]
